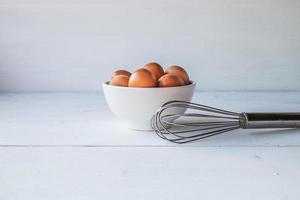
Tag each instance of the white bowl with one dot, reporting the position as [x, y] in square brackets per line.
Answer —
[136, 106]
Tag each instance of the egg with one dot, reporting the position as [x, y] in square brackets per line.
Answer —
[142, 78]
[119, 80]
[180, 72]
[156, 69]
[121, 72]
[170, 80]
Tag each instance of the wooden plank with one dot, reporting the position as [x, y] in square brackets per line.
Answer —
[223, 45]
[85, 119]
[150, 173]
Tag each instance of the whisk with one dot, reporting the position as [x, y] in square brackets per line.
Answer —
[200, 121]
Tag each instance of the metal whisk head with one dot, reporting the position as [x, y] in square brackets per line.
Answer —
[182, 122]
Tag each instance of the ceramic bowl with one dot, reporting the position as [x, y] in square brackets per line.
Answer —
[136, 106]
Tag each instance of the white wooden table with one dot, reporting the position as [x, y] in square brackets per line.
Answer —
[69, 146]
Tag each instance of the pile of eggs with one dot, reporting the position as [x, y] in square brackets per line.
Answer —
[151, 75]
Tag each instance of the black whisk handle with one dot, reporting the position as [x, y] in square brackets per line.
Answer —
[270, 120]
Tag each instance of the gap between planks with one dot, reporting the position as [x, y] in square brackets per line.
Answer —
[146, 146]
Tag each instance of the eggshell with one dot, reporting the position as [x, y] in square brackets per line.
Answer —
[121, 72]
[119, 80]
[156, 69]
[142, 78]
[180, 72]
[170, 80]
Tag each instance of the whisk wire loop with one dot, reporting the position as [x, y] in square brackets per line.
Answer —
[202, 122]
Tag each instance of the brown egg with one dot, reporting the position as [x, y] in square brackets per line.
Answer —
[180, 72]
[119, 80]
[121, 72]
[156, 69]
[170, 80]
[142, 78]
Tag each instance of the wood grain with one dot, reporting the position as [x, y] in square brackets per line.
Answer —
[150, 173]
[72, 45]
[69, 146]
[84, 119]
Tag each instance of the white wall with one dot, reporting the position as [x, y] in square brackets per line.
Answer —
[50, 45]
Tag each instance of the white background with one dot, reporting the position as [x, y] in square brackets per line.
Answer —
[74, 45]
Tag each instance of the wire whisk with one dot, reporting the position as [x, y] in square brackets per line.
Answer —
[182, 122]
